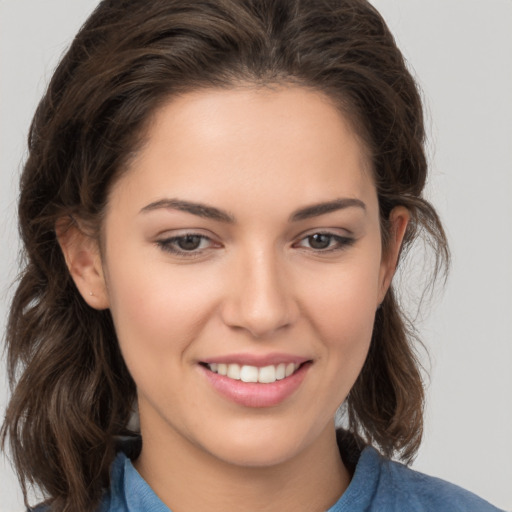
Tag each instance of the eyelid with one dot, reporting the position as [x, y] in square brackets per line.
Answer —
[343, 241]
[165, 243]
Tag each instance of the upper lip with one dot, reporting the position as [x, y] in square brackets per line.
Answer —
[257, 360]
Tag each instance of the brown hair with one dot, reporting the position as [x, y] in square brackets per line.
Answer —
[72, 393]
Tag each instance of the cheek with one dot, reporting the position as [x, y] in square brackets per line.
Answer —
[342, 310]
[346, 329]
[345, 300]
[158, 310]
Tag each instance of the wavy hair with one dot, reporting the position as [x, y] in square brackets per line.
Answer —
[71, 391]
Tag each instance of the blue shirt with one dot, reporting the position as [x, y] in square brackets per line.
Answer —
[378, 484]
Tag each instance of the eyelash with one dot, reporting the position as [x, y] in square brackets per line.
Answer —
[342, 242]
[170, 244]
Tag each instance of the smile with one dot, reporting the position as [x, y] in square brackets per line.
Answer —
[246, 373]
[253, 381]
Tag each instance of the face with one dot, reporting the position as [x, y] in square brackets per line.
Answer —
[243, 266]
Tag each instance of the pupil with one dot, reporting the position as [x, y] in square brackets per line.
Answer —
[320, 241]
[189, 242]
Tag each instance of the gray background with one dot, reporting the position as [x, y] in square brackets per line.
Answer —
[461, 52]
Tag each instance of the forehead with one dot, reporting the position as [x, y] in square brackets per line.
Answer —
[290, 145]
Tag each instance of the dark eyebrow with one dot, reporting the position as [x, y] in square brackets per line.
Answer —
[201, 210]
[210, 212]
[322, 208]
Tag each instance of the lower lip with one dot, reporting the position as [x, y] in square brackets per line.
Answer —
[255, 394]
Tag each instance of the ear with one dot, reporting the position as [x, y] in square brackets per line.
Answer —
[83, 259]
[398, 221]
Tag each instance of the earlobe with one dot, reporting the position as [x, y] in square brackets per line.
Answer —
[398, 222]
[82, 255]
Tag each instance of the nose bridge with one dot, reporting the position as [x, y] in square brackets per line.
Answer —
[260, 299]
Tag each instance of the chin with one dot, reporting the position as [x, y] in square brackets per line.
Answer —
[265, 446]
[255, 454]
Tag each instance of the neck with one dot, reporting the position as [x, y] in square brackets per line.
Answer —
[186, 478]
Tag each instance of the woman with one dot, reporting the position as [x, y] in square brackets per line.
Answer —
[214, 204]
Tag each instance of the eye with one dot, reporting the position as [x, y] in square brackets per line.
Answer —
[189, 244]
[325, 242]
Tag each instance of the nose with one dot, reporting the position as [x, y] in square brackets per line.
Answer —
[259, 298]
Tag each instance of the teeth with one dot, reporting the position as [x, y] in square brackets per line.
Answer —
[246, 373]
[234, 372]
[280, 371]
[267, 374]
[290, 368]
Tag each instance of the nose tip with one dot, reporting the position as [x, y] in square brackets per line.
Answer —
[261, 322]
[260, 300]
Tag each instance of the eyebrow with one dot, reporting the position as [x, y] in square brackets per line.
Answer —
[210, 212]
[199, 209]
[322, 208]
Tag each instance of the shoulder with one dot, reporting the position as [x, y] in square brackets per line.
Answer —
[398, 486]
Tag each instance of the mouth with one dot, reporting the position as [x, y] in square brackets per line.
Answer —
[247, 373]
[256, 380]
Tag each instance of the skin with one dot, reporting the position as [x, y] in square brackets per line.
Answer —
[256, 285]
